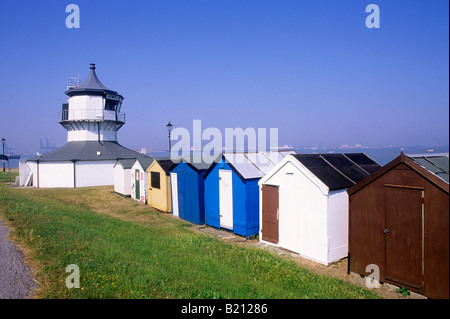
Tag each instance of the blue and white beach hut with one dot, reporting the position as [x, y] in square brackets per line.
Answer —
[232, 192]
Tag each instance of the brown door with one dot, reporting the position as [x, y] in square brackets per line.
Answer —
[404, 236]
[270, 213]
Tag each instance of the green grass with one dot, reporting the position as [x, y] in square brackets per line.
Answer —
[126, 250]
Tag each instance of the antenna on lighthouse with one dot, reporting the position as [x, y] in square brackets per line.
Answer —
[73, 82]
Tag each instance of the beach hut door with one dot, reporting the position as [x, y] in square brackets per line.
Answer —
[404, 236]
[137, 184]
[226, 199]
[174, 183]
[270, 213]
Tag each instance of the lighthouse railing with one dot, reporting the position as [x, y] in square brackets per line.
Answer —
[90, 115]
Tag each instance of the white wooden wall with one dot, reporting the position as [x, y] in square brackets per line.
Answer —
[303, 201]
[122, 181]
[142, 183]
[337, 225]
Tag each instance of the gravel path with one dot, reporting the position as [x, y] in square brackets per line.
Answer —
[15, 276]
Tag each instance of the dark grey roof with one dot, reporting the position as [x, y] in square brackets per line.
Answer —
[145, 162]
[364, 161]
[126, 163]
[91, 85]
[202, 166]
[338, 171]
[438, 164]
[166, 164]
[87, 151]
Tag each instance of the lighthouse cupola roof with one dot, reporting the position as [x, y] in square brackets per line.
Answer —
[91, 86]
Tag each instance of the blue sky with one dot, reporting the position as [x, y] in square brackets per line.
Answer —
[311, 68]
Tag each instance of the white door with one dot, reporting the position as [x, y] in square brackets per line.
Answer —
[226, 199]
[174, 184]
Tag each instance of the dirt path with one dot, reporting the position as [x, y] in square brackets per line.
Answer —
[15, 276]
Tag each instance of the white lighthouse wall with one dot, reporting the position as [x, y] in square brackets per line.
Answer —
[54, 174]
[83, 107]
[94, 173]
[90, 133]
[90, 108]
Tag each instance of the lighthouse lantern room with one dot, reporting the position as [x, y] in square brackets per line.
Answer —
[92, 112]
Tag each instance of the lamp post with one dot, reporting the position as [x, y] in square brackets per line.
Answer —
[3, 146]
[169, 129]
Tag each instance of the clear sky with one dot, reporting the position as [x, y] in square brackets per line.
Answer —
[311, 68]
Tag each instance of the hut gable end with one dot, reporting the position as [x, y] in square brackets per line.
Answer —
[401, 212]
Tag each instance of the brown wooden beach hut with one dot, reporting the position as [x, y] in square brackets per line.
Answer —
[399, 221]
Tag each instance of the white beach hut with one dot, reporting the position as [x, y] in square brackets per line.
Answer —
[122, 176]
[138, 179]
[304, 203]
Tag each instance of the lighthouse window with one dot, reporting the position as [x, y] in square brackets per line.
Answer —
[111, 105]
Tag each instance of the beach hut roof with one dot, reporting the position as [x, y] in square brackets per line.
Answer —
[145, 162]
[251, 165]
[438, 164]
[412, 161]
[338, 171]
[126, 163]
[166, 164]
[202, 166]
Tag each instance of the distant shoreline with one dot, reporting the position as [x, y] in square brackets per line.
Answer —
[382, 155]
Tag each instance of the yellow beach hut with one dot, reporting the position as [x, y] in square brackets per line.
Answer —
[158, 184]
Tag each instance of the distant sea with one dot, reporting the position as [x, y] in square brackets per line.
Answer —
[382, 155]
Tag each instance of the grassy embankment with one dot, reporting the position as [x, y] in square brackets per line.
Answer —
[125, 250]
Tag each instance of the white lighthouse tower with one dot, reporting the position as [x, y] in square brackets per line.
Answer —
[93, 112]
[92, 118]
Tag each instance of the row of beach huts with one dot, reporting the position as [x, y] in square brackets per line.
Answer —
[324, 207]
